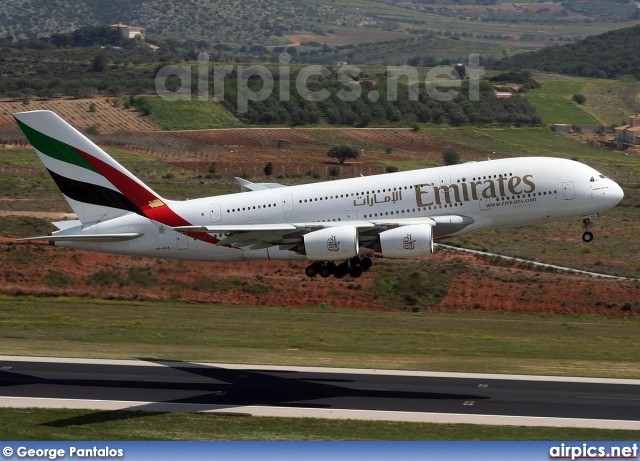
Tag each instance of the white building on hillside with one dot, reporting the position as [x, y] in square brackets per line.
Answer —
[129, 31]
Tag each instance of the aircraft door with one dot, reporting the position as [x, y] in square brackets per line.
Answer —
[569, 191]
[183, 241]
[445, 180]
[482, 201]
[215, 213]
[287, 203]
[352, 215]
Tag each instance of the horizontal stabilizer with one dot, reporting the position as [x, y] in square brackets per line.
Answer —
[88, 238]
[62, 225]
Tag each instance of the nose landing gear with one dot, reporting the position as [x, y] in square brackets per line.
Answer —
[587, 236]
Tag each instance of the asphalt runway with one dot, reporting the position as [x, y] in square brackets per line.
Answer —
[329, 393]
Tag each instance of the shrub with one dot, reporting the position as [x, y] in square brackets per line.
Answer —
[451, 157]
[56, 279]
[579, 98]
[92, 130]
[105, 278]
[141, 276]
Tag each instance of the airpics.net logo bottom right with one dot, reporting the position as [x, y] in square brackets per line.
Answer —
[588, 451]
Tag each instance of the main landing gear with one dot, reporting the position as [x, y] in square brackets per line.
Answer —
[354, 267]
[587, 236]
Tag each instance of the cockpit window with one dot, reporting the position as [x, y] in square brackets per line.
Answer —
[603, 176]
[593, 179]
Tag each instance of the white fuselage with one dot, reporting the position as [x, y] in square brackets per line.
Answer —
[493, 194]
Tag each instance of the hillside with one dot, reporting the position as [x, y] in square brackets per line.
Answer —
[231, 21]
[416, 50]
[609, 55]
[511, 11]
[200, 163]
[509, 27]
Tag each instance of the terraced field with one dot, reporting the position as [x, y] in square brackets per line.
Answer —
[250, 137]
[246, 151]
[106, 118]
[612, 102]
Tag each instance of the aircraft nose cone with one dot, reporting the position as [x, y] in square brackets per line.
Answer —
[617, 194]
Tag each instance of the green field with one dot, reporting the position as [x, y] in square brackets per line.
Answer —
[608, 102]
[322, 336]
[553, 102]
[190, 115]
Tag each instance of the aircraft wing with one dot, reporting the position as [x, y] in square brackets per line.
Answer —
[288, 235]
[248, 186]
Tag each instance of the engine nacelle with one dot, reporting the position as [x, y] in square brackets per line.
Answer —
[331, 243]
[407, 241]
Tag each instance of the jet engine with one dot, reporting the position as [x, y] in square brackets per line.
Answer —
[406, 241]
[331, 243]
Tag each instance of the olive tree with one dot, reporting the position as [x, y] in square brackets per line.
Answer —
[343, 152]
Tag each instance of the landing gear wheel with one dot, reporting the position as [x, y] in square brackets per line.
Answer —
[341, 271]
[311, 270]
[326, 270]
[366, 263]
[587, 236]
[356, 271]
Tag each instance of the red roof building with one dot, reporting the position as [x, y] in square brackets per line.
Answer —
[629, 135]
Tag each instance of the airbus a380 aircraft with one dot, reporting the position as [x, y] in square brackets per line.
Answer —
[335, 224]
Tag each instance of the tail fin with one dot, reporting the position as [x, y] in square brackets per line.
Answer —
[95, 185]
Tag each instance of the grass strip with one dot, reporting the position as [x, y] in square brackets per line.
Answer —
[47, 424]
[580, 345]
